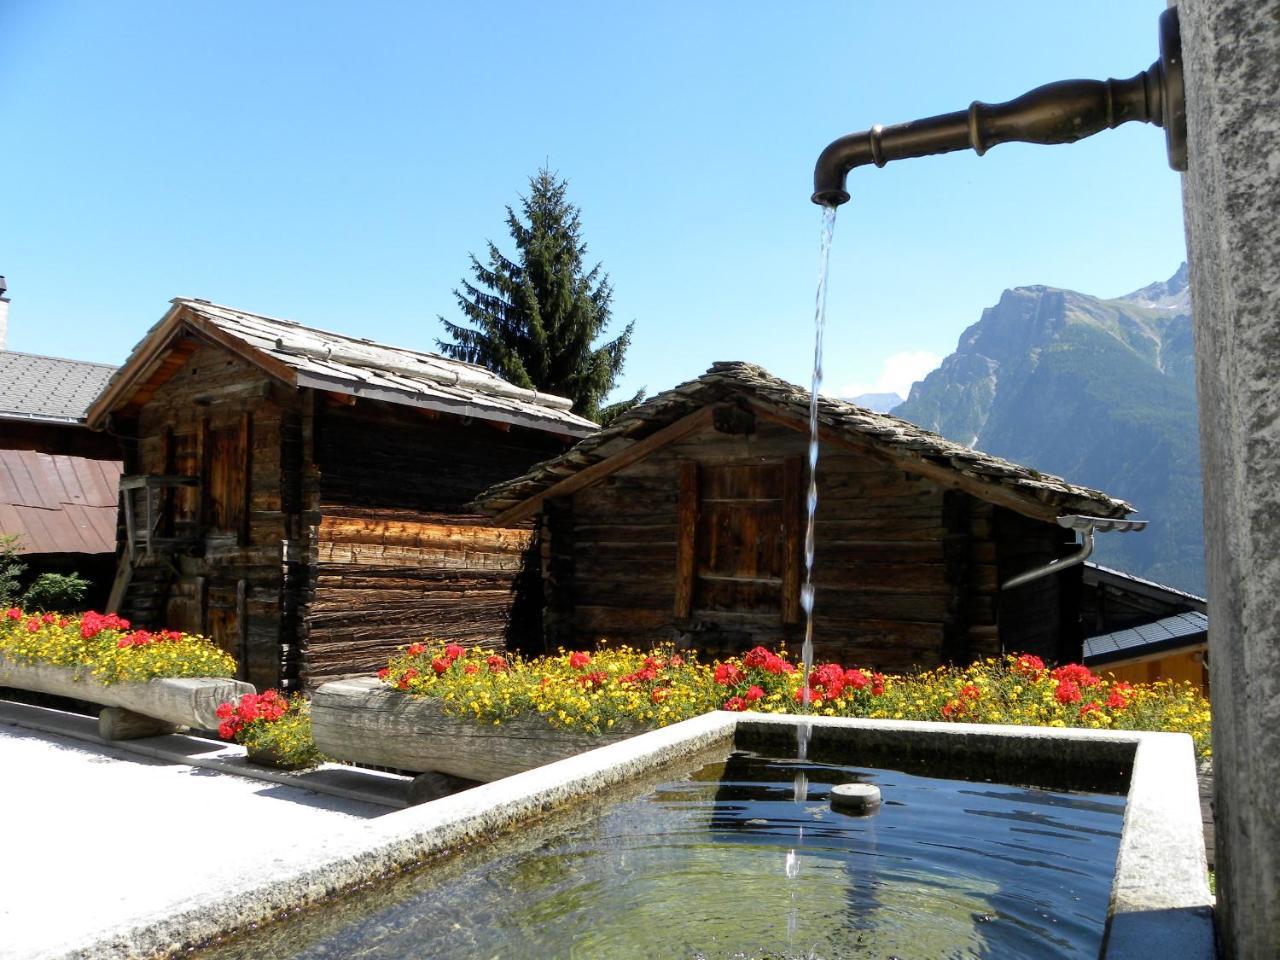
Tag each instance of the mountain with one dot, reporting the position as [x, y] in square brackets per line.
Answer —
[1101, 392]
[879, 402]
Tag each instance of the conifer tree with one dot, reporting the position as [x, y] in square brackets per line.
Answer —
[534, 320]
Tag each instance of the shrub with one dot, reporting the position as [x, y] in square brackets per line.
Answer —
[56, 592]
[11, 570]
[104, 647]
[274, 723]
[624, 689]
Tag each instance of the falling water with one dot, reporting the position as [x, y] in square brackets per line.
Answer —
[800, 789]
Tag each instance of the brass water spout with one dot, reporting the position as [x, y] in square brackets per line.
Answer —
[1060, 112]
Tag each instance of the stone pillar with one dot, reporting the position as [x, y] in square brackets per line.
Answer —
[1231, 194]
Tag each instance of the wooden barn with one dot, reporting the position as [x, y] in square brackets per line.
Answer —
[301, 496]
[57, 478]
[684, 520]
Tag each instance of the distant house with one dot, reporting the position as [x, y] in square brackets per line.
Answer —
[684, 520]
[1142, 631]
[57, 478]
[300, 496]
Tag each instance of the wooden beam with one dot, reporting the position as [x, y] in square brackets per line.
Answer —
[593, 474]
[948, 477]
[794, 516]
[686, 539]
[234, 345]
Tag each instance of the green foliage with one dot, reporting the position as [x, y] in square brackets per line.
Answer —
[535, 319]
[11, 570]
[56, 593]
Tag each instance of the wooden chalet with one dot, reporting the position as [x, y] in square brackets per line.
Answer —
[684, 520]
[57, 477]
[301, 496]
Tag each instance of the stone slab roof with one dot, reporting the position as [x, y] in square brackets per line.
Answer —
[309, 357]
[48, 389]
[1162, 636]
[906, 443]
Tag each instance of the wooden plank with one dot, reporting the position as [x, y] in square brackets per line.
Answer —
[794, 517]
[598, 471]
[687, 520]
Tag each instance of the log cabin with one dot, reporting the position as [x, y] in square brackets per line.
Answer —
[684, 521]
[300, 496]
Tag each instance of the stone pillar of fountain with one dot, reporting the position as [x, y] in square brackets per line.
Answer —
[1231, 195]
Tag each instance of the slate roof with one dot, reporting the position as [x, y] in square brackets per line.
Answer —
[48, 389]
[734, 380]
[309, 357]
[1097, 573]
[1171, 633]
[56, 503]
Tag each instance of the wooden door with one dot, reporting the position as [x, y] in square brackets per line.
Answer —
[226, 475]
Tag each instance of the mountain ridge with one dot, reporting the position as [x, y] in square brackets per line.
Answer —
[1099, 391]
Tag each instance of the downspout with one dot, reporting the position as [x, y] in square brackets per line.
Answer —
[1088, 526]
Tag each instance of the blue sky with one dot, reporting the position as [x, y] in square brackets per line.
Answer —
[335, 164]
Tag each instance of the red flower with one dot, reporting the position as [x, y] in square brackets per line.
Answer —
[1091, 707]
[729, 675]
[877, 684]
[382, 674]
[949, 708]
[753, 694]
[496, 664]
[453, 651]
[49, 618]
[735, 703]
[1078, 674]
[92, 624]
[1067, 692]
[757, 657]
[226, 730]
[33, 625]
[470, 668]
[13, 613]
[579, 659]
[856, 679]
[440, 664]
[224, 711]
[415, 649]
[658, 694]
[775, 664]
[815, 696]
[1029, 665]
[590, 680]
[970, 692]
[676, 661]
[1119, 698]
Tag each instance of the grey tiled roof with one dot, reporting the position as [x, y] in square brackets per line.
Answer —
[1171, 633]
[33, 387]
[734, 379]
[336, 362]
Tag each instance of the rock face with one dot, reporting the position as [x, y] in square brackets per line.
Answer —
[1101, 392]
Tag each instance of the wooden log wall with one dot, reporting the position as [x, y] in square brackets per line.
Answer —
[396, 555]
[223, 420]
[1041, 617]
[906, 573]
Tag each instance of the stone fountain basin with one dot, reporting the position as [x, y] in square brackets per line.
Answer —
[1160, 902]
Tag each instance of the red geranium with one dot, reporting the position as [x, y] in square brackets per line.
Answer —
[453, 651]
[579, 659]
[729, 674]
[735, 703]
[416, 648]
[1068, 692]
[1078, 674]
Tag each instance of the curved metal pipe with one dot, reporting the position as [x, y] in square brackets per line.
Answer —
[1061, 112]
[1055, 566]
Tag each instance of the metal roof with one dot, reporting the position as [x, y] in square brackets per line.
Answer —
[48, 389]
[309, 357]
[1171, 633]
[1097, 573]
[56, 503]
[907, 443]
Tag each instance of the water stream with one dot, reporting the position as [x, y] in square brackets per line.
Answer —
[800, 786]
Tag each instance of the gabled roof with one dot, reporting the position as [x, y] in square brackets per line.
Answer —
[58, 504]
[1172, 633]
[668, 416]
[48, 389]
[306, 357]
[1096, 573]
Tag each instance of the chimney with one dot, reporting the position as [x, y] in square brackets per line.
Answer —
[4, 313]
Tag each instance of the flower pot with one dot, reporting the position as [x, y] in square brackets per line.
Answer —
[365, 721]
[268, 756]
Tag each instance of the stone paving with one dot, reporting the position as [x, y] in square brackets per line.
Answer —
[97, 837]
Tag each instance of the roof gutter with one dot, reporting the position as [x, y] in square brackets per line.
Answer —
[1087, 527]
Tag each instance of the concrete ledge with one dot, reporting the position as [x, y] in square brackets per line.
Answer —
[1160, 893]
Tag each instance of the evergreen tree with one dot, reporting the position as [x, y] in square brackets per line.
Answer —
[534, 319]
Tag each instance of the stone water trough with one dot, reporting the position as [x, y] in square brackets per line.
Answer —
[142, 709]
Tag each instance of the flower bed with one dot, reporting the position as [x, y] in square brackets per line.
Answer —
[171, 677]
[622, 688]
[274, 728]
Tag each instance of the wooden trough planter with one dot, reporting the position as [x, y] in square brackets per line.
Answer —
[141, 709]
[365, 721]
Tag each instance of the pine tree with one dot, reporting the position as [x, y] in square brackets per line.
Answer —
[534, 320]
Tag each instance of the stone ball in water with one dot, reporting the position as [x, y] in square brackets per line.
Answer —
[858, 799]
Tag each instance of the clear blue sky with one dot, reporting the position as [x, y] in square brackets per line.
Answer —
[335, 163]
